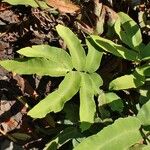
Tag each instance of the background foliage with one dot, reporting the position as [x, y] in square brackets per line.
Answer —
[103, 99]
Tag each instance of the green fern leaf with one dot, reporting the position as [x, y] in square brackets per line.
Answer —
[75, 48]
[55, 101]
[122, 134]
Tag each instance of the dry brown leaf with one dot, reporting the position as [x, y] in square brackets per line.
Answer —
[63, 6]
[113, 16]
[9, 125]
[100, 12]
[25, 85]
[4, 6]
[84, 27]
[9, 120]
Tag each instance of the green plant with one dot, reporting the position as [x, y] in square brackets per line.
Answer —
[134, 50]
[114, 136]
[122, 134]
[52, 61]
[79, 71]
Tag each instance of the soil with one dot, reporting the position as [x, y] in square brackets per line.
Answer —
[22, 26]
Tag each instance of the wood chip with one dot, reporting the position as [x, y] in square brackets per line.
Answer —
[63, 6]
